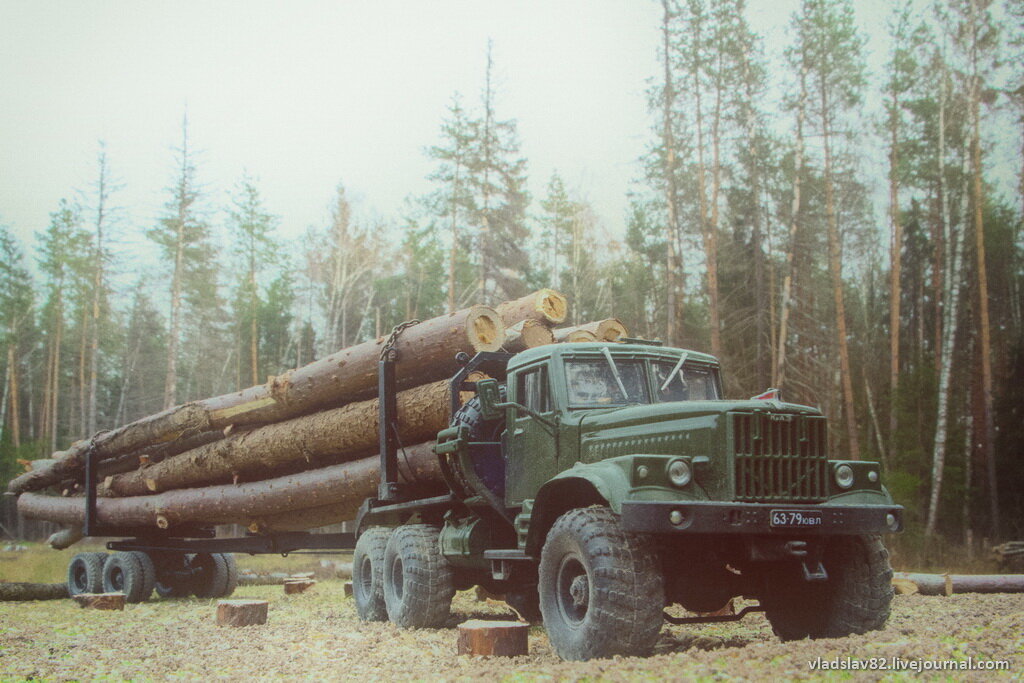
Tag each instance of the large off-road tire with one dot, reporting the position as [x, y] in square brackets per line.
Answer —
[601, 588]
[480, 429]
[124, 573]
[148, 573]
[211, 576]
[854, 599]
[368, 574]
[85, 573]
[418, 581]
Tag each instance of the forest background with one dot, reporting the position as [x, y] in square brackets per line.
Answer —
[852, 237]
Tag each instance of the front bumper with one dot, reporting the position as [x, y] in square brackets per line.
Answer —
[656, 517]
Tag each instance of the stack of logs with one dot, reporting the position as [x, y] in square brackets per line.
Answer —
[297, 452]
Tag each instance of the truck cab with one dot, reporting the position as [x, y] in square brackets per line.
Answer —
[594, 484]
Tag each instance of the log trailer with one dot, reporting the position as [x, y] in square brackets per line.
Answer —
[593, 485]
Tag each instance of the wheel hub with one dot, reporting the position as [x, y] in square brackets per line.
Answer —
[579, 591]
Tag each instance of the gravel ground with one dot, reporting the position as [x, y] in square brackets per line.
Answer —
[317, 635]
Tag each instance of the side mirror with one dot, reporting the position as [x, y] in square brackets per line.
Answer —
[490, 399]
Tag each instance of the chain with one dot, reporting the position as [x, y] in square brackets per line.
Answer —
[393, 338]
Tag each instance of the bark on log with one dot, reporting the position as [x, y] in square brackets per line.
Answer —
[65, 538]
[546, 306]
[110, 601]
[574, 334]
[527, 335]
[493, 638]
[10, 592]
[294, 586]
[950, 584]
[333, 493]
[131, 461]
[242, 612]
[323, 438]
[611, 330]
[426, 354]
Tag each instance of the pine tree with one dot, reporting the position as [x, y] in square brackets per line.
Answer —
[17, 300]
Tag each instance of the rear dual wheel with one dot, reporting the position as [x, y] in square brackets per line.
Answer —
[205, 575]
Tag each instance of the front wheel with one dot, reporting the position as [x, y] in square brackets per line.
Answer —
[854, 599]
[601, 588]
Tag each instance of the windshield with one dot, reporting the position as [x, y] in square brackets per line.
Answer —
[593, 383]
[688, 383]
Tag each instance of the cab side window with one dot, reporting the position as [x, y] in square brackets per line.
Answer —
[532, 390]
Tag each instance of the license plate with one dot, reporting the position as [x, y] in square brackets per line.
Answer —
[796, 518]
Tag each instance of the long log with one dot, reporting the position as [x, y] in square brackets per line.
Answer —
[323, 438]
[951, 584]
[611, 330]
[574, 334]
[132, 461]
[426, 353]
[527, 334]
[545, 306]
[66, 537]
[343, 487]
[32, 591]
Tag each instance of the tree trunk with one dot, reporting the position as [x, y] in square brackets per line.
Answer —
[15, 412]
[779, 371]
[836, 268]
[895, 269]
[426, 353]
[158, 453]
[574, 334]
[101, 601]
[299, 501]
[671, 191]
[527, 334]
[982, 273]
[951, 584]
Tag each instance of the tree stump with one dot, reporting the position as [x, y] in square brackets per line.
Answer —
[348, 589]
[113, 601]
[241, 612]
[493, 638]
[293, 586]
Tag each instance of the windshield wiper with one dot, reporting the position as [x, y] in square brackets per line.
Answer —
[615, 373]
[678, 368]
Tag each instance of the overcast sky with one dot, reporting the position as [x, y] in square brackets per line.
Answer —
[304, 95]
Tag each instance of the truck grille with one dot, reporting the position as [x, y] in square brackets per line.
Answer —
[780, 457]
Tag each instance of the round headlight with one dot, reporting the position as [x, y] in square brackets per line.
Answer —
[679, 473]
[844, 476]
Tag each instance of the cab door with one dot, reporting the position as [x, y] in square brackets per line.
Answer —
[532, 445]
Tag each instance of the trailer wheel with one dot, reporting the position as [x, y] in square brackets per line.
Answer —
[232, 568]
[854, 599]
[601, 588]
[124, 573]
[368, 574]
[210, 575]
[418, 581]
[148, 573]
[85, 573]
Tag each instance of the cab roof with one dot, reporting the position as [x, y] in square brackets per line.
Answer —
[592, 349]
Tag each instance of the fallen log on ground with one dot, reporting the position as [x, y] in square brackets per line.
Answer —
[341, 488]
[951, 584]
[426, 353]
[324, 438]
[10, 592]
[527, 334]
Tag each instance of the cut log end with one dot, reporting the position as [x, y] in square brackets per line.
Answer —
[242, 612]
[104, 601]
[493, 638]
[552, 305]
[484, 328]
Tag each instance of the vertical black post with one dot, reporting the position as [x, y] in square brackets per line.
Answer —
[388, 407]
[91, 476]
